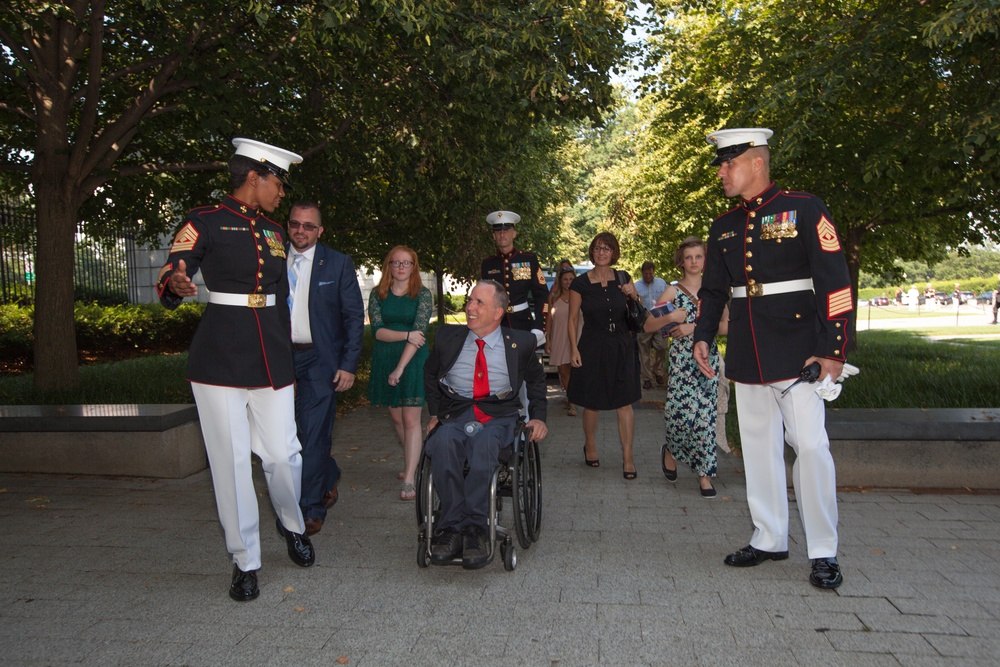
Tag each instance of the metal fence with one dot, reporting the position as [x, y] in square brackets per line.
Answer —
[102, 271]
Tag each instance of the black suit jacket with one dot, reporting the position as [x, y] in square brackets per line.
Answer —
[522, 366]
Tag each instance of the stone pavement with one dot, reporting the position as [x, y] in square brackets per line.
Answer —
[126, 571]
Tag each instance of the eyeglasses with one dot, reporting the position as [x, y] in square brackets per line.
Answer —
[396, 263]
[601, 248]
[308, 226]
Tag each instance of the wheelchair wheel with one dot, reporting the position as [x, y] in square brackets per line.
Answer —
[522, 517]
[422, 558]
[509, 553]
[532, 489]
[423, 471]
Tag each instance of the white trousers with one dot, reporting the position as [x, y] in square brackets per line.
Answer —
[767, 420]
[236, 422]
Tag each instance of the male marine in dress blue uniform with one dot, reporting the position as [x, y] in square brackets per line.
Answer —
[240, 360]
[779, 254]
[520, 274]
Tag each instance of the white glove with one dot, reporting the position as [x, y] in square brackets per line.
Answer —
[539, 336]
[828, 389]
[849, 370]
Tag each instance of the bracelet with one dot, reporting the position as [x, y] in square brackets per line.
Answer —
[407, 336]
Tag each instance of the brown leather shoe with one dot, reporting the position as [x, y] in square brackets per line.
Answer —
[330, 498]
[313, 526]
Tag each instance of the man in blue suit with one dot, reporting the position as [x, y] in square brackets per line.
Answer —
[328, 321]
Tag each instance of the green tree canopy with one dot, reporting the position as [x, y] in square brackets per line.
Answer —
[412, 116]
[889, 111]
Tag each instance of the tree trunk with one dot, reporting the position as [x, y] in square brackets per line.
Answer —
[55, 329]
[439, 276]
[852, 252]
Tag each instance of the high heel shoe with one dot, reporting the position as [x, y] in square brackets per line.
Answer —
[671, 475]
[593, 463]
[629, 474]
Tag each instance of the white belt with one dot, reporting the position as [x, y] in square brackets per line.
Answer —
[518, 308]
[770, 289]
[245, 300]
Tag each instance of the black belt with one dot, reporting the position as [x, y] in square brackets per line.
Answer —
[302, 346]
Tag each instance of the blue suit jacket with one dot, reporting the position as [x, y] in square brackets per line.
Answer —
[336, 310]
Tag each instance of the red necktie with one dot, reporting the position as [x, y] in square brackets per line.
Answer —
[480, 383]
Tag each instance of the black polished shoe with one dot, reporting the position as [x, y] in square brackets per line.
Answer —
[475, 554]
[748, 556]
[244, 587]
[671, 475]
[825, 573]
[446, 545]
[300, 548]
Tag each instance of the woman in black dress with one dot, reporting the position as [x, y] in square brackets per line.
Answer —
[605, 360]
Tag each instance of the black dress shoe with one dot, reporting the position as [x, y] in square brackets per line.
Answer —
[300, 549]
[244, 587]
[445, 546]
[826, 573]
[671, 475]
[474, 552]
[748, 556]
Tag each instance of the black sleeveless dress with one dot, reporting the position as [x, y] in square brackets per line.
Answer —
[608, 378]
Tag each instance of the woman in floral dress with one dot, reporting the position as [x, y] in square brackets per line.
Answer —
[692, 399]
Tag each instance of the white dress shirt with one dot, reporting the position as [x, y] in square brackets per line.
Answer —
[300, 300]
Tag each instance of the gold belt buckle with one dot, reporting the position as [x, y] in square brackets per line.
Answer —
[756, 289]
[256, 300]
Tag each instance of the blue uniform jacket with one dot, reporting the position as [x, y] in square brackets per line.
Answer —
[777, 236]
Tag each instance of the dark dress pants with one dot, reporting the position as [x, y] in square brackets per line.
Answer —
[315, 412]
[465, 501]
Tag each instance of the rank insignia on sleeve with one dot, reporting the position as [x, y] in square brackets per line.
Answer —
[839, 302]
[541, 277]
[185, 239]
[827, 234]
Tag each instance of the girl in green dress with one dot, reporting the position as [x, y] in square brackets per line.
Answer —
[399, 311]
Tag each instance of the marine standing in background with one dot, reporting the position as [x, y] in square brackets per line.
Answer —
[240, 360]
[520, 274]
[780, 255]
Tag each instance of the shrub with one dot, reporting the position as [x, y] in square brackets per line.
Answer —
[115, 332]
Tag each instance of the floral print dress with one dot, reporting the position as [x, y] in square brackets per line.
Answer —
[691, 405]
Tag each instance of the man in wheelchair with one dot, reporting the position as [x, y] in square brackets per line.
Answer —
[472, 378]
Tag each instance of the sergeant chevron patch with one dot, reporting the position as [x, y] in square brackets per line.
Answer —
[839, 302]
[185, 239]
[827, 233]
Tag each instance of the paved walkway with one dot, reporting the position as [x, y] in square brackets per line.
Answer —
[101, 571]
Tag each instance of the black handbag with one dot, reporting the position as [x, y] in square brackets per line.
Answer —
[635, 312]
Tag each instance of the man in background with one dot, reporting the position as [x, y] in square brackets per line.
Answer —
[652, 346]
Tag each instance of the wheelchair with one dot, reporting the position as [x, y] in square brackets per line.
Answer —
[516, 483]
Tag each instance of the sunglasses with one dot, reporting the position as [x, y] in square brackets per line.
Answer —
[308, 226]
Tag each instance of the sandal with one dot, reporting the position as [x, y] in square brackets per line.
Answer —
[407, 492]
[571, 411]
